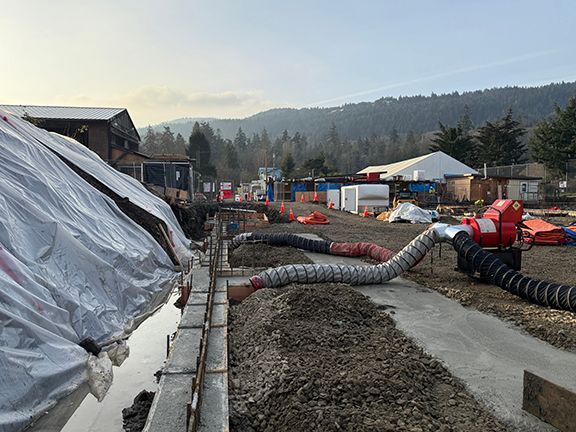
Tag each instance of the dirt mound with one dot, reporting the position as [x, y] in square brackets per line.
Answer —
[134, 417]
[323, 357]
[261, 255]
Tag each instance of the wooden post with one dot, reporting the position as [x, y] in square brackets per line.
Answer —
[549, 402]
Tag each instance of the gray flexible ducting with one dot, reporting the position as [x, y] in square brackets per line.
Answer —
[283, 239]
[349, 274]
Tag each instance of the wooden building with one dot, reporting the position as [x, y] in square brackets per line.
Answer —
[472, 188]
[109, 132]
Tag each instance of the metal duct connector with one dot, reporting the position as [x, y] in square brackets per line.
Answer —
[446, 233]
[349, 274]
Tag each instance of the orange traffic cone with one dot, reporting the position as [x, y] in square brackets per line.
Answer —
[365, 214]
[292, 218]
[240, 198]
[267, 202]
[315, 199]
[330, 205]
[302, 197]
[282, 210]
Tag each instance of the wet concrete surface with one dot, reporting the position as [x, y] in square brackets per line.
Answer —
[147, 355]
[487, 354]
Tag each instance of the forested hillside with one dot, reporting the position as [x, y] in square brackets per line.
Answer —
[413, 113]
[348, 138]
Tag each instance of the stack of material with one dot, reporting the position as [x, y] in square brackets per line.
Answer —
[315, 218]
[544, 233]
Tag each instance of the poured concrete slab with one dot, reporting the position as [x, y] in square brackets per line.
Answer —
[488, 354]
[214, 416]
[169, 410]
[185, 352]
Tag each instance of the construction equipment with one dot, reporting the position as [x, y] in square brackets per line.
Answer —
[404, 196]
[498, 230]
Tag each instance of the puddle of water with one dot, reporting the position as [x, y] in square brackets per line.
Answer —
[147, 355]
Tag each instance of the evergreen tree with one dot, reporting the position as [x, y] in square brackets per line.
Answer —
[180, 144]
[454, 142]
[332, 147]
[465, 121]
[554, 140]
[394, 137]
[150, 143]
[231, 156]
[167, 141]
[500, 142]
[199, 149]
[288, 165]
[240, 141]
[410, 149]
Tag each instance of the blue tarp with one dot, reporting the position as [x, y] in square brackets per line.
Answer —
[323, 187]
[422, 187]
[296, 187]
[571, 235]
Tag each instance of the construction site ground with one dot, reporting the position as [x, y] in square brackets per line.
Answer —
[437, 271]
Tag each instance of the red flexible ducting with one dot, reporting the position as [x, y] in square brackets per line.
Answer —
[370, 250]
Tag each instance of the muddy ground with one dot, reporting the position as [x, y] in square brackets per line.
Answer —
[437, 271]
[324, 358]
[261, 255]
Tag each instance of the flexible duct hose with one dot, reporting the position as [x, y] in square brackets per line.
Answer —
[283, 239]
[349, 274]
[370, 250]
[492, 269]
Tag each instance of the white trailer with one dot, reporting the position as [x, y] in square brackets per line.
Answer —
[374, 196]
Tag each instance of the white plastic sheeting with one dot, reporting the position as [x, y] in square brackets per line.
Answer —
[72, 265]
[409, 212]
[122, 184]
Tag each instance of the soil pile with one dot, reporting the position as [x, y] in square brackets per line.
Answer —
[324, 357]
[135, 416]
[262, 255]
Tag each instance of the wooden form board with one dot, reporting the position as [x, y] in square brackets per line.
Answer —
[549, 402]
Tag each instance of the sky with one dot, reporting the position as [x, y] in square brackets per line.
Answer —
[213, 58]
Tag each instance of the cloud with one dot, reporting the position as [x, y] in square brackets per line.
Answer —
[166, 96]
[154, 104]
[472, 68]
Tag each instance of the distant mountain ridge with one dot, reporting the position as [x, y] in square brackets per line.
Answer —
[418, 114]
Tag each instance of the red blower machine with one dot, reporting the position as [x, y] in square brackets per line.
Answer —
[498, 230]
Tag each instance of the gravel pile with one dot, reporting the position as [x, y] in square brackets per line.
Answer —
[262, 255]
[325, 358]
[134, 417]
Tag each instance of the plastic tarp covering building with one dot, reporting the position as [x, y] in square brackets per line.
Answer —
[123, 185]
[72, 266]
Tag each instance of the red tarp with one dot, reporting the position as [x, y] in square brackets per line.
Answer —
[544, 233]
[315, 218]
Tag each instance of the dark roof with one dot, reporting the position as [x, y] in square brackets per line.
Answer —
[62, 112]
[481, 177]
